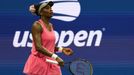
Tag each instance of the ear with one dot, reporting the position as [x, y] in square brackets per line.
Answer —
[41, 13]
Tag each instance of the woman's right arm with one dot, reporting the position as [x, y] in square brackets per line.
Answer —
[36, 34]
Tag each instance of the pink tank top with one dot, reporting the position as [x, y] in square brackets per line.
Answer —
[47, 40]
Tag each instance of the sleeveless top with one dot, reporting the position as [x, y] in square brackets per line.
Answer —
[47, 40]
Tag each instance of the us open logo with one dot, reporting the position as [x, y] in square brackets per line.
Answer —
[65, 10]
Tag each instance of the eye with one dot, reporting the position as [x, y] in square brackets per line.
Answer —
[47, 7]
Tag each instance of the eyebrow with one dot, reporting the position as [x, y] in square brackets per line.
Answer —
[47, 6]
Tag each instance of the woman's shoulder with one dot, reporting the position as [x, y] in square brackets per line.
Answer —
[36, 25]
[50, 24]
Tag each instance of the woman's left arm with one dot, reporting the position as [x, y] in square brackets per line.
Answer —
[66, 51]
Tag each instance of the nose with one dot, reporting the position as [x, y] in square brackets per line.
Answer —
[51, 10]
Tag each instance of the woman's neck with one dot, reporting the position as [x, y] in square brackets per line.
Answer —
[45, 20]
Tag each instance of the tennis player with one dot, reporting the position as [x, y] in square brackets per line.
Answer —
[44, 44]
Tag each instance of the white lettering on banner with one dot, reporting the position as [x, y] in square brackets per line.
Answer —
[23, 41]
[62, 38]
[80, 39]
[80, 36]
[29, 44]
[92, 34]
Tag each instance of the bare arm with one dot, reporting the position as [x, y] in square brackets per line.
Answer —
[36, 33]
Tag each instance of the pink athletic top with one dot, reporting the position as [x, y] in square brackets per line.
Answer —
[36, 63]
[47, 39]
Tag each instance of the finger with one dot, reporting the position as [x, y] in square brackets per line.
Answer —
[71, 53]
[61, 64]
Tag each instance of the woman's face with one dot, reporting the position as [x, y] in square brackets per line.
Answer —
[46, 11]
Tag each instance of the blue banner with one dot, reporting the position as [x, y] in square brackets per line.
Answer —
[98, 31]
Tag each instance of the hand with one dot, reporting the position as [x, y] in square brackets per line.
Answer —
[60, 61]
[67, 51]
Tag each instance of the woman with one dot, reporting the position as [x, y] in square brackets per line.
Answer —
[44, 44]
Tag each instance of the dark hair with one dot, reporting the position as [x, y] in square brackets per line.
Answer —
[38, 7]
